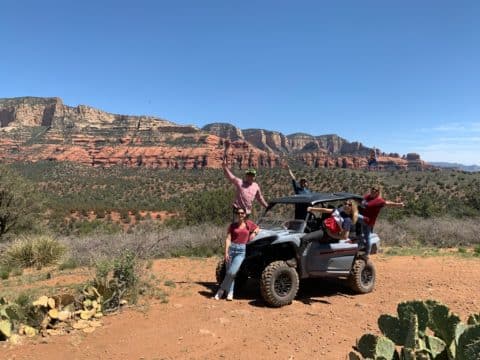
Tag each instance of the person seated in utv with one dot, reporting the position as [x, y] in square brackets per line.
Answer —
[337, 226]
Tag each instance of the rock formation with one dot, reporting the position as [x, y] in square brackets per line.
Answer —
[33, 129]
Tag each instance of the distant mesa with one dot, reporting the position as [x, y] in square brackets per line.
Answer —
[456, 166]
[37, 128]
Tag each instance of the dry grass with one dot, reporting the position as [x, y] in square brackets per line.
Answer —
[445, 232]
[152, 241]
[148, 242]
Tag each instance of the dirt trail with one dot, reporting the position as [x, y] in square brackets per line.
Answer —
[322, 323]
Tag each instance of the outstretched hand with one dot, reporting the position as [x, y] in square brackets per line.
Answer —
[400, 202]
[225, 151]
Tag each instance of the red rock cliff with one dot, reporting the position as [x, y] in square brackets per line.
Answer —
[33, 129]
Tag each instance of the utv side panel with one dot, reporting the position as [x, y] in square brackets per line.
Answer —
[324, 259]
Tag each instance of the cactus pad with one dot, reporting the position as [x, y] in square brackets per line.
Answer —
[371, 346]
[418, 308]
[5, 328]
[41, 301]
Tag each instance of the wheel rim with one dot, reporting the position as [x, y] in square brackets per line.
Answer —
[283, 284]
[367, 276]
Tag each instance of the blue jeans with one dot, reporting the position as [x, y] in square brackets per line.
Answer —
[366, 230]
[237, 255]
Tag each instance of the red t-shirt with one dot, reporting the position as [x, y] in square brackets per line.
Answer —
[241, 235]
[371, 208]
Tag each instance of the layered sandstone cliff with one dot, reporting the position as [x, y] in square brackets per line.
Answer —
[33, 129]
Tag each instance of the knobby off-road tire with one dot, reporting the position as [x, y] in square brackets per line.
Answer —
[362, 277]
[279, 284]
[240, 280]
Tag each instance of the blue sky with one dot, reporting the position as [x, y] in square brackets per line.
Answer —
[401, 76]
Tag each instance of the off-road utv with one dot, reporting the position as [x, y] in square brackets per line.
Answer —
[280, 255]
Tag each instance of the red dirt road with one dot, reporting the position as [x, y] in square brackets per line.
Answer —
[322, 323]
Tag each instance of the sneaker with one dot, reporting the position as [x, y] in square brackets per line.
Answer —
[219, 294]
[230, 297]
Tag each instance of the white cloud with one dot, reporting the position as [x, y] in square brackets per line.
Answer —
[451, 142]
[457, 142]
[460, 139]
[464, 152]
[457, 127]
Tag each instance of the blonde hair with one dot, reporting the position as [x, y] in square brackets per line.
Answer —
[354, 212]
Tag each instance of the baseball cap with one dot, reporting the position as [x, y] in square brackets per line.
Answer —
[251, 171]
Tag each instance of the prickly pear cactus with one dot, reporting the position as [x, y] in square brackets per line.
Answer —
[437, 346]
[5, 329]
[412, 330]
[375, 347]
[468, 345]
[473, 319]
[418, 308]
[413, 340]
[393, 328]
[441, 321]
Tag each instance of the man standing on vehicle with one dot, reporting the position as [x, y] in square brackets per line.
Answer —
[299, 188]
[370, 209]
[247, 189]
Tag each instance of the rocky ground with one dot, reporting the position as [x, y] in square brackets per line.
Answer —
[322, 323]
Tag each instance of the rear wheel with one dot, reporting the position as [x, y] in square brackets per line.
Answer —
[362, 277]
[279, 284]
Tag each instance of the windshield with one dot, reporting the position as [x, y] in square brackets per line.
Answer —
[284, 216]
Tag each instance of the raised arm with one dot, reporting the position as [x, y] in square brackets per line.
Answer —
[394, 203]
[320, 209]
[291, 173]
[228, 173]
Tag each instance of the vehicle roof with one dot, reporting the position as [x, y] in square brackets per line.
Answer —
[314, 198]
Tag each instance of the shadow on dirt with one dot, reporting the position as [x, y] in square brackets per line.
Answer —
[310, 291]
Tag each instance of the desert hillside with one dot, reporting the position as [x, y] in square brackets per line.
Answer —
[34, 128]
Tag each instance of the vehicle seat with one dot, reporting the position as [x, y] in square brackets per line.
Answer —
[313, 223]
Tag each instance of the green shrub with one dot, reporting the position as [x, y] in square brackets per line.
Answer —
[476, 250]
[424, 330]
[117, 279]
[33, 252]
[20, 203]
[170, 283]
[87, 227]
[4, 273]
[68, 264]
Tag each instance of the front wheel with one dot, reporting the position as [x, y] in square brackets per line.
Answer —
[279, 284]
[362, 277]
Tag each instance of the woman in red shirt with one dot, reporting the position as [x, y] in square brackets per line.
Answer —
[239, 233]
